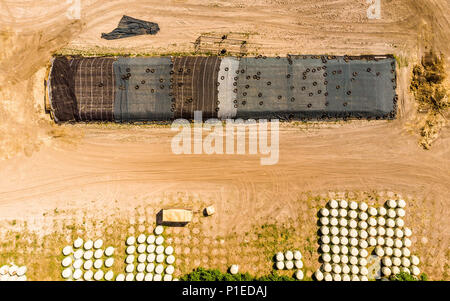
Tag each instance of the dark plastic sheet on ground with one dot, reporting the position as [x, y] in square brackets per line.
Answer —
[62, 91]
[130, 27]
[195, 86]
[144, 89]
[94, 88]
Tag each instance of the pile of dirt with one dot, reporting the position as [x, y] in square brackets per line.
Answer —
[431, 94]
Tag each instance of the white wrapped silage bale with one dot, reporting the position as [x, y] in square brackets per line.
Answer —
[333, 204]
[363, 216]
[151, 239]
[318, 275]
[406, 252]
[391, 213]
[397, 252]
[98, 254]
[379, 251]
[168, 250]
[129, 277]
[324, 238]
[141, 239]
[391, 203]
[78, 254]
[167, 277]
[159, 240]
[344, 240]
[77, 264]
[337, 277]
[343, 212]
[141, 248]
[398, 233]
[78, 243]
[353, 233]
[406, 262]
[170, 259]
[327, 277]
[344, 259]
[396, 261]
[354, 269]
[120, 277]
[151, 249]
[363, 206]
[142, 258]
[415, 260]
[355, 278]
[160, 258]
[334, 221]
[372, 211]
[67, 250]
[159, 250]
[148, 277]
[324, 212]
[352, 224]
[336, 258]
[324, 221]
[129, 259]
[363, 244]
[98, 244]
[234, 269]
[289, 255]
[88, 245]
[344, 250]
[280, 256]
[362, 262]
[401, 203]
[297, 255]
[280, 265]
[353, 242]
[382, 211]
[395, 270]
[363, 253]
[372, 221]
[363, 271]
[398, 243]
[390, 232]
[343, 232]
[67, 261]
[289, 265]
[386, 271]
[363, 234]
[159, 269]
[131, 240]
[77, 274]
[157, 277]
[363, 225]
[325, 248]
[334, 212]
[109, 251]
[399, 222]
[298, 264]
[389, 242]
[400, 212]
[88, 265]
[99, 275]
[88, 255]
[381, 221]
[150, 268]
[130, 250]
[327, 268]
[388, 251]
[326, 257]
[352, 214]
[337, 269]
[353, 205]
[335, 249]
[129, 268]
[109, 262]
[335, 240]
[66, 273]
[415, 270]
[159, 230]
[343, 222]
[141, 267]
[109, 275]
[334, 230]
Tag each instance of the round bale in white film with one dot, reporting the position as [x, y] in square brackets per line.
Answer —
[141, 239]
[109, 251]
[299, 275]
[159, 230]
[130, 241]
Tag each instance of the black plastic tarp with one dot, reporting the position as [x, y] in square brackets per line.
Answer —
[130, 27]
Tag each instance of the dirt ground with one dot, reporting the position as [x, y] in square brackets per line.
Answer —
[57, 175]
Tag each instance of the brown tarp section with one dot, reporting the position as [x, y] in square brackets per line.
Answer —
[62, 91]
[195, 86]
[94, 86]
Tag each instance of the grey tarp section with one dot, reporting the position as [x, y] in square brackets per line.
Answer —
[129, 27]
[306, 87]
[227, 83]
[361, 88]
[280, 88]
[144, 89]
